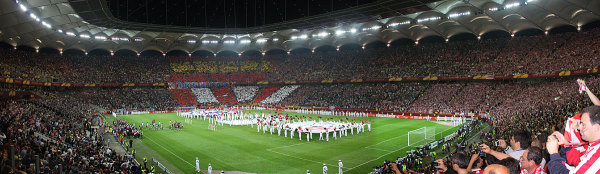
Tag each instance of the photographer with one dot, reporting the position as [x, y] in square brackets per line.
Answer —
[477, 160]
[590, 131]
[459, 163]
[519, 141]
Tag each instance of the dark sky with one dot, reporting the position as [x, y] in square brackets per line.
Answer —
[223, 13]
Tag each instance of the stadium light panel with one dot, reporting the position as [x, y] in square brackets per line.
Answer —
[262, 40]
[84, 36]
[511, 5]
[304, 36]
[453, 15]
[138, 39]
[353, 30]
[229, 42]
[33, 16]
[323, 34]
[339, 32]
[205, 41]
[191, 41]
[429, 19]
[46, 24]
[294, 37]
[245, 41]
[275, 39]
[23, 8]
[60, 31]
[394, 24]
[214, 41]
[493, 9]
[70, 33]
[100, 37]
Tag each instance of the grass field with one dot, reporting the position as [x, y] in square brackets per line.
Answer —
[241, 148]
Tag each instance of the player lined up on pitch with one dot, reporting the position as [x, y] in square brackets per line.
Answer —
[308, 125]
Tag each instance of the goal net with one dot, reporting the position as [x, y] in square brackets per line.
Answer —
[421, 136]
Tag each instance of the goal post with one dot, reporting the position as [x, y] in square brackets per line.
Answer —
[421, 136]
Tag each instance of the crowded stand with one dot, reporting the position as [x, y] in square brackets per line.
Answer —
[499, 56]
[62, 142]
[204, 95]
[141, 99]
[280, 94]
[265, 92]
[548, 125]
[43, 67]
[245, 93]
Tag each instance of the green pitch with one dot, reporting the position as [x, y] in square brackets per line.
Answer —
[242, 148]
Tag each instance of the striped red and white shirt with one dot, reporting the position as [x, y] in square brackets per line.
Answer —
[589, 161]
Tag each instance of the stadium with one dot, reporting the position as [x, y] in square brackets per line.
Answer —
[299, 86]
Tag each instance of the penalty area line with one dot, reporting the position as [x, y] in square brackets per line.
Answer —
[172, 153]
[284, 154]
[378, 157]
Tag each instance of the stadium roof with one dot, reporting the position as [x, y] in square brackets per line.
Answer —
[57, 24]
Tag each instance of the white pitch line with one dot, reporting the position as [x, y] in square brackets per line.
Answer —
[378, 149]
[284, 154]
[384, 155]
[386, 141]
[172, 153]
[286, 146]
[378, 157]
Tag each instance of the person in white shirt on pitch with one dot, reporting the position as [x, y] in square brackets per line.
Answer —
[197, 165]
[324, 168]
[340, 165]
[279, 130]
[327, 134]
[209, 169]
[334, 133]
[320, 135]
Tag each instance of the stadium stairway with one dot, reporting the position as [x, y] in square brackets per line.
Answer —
[184, 97]
[224, 95]
[265, 92]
